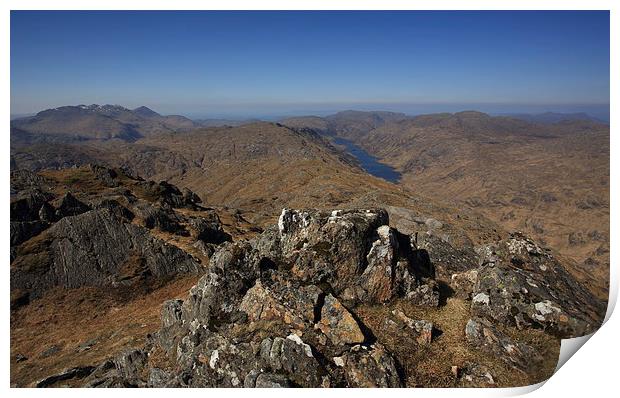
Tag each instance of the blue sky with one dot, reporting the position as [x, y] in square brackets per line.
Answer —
[278, 63]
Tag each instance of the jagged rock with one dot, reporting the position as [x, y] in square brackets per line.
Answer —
[21, 231]
[95, 248]
[422, 328]
[190, 197]
[47, 213]
[116, 208]
[171, 312]
[483, 335]
[208, 229]
[168, 194]
[106, 175]
[160, 217]
[463, 283]
[370, 367]
[159, 378]
[23, 180]
[425, 295]
[272, 380]
[526, 286]
[206, 249]
[26, 205]
[218, 293]
[338, 324]
[377, 279]
[292, 305]
[67, 374]
[294, 357]
[474, 375]
[131, 366]
[445, 257]
[70, 206]
[106, 375]
[354, 251]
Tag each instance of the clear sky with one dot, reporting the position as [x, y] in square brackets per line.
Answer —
[203, 63]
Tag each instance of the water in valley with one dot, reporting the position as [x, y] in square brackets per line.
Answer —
[369, 162]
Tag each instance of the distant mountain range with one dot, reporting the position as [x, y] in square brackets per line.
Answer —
[115, 121]
[101, 122]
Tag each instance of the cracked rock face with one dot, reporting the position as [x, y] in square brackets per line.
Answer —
[338, 324]
[95, 248]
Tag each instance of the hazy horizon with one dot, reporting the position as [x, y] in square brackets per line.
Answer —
[597, 111]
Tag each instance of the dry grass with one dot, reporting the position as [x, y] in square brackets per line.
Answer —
[116, 319]
[430, 366]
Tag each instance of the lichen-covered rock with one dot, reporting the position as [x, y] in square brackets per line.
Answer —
[483, 335]
[370, 367]
[474, 375]
[338, 324]
[463, 283]
[423, 329]
[526, 286]
[171, 312]
[284, 302]
[426, 294]
[354, 251]
[217, 295]
[294, 357]
[272, 380]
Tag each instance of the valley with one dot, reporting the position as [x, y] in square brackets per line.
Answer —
[274, 234]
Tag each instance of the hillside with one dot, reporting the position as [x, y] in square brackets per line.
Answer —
[549, 180]
[305, 301]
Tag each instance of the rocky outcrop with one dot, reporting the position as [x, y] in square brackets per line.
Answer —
[96, 248]
[370, 367]
[483, 335]
[273, 312]
[169, 194]
[355, 252]
[70, 206]
[208, 228]
[283, 309]
[338, 324]
[522, 284]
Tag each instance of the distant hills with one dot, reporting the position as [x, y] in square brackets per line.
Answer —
[553, 117]
[101, 122]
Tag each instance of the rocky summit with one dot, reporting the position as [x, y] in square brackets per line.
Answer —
[321, 299]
